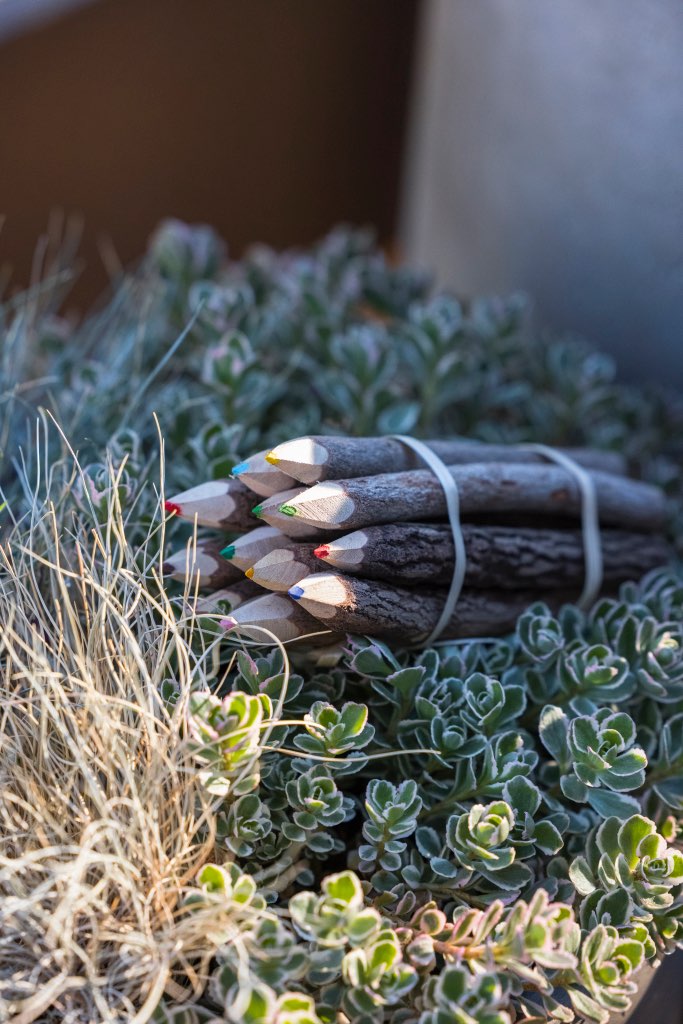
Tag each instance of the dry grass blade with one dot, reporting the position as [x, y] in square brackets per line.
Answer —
[104, 823]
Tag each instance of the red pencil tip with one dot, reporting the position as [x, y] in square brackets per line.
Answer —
[321, 552]
[172, 508]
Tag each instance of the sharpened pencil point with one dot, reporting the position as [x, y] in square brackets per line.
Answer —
[287, 510]
[257, 510]
[272, 459]
[241, 467]
[296, 592]
[172, 508]
[249, 573]
[321, 552]
[228, 551]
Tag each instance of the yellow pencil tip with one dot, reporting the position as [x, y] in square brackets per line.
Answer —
[249, 573]
[272, 459]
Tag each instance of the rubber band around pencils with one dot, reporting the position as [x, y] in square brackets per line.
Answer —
[450, 490]
[590, 523]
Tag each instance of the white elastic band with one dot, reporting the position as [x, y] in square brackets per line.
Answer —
[450, 490]
[590, 522]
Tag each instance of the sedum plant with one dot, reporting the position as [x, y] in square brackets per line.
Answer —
[487, 831]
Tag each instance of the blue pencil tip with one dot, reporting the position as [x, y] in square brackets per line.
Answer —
[241, 467]
[296, 592]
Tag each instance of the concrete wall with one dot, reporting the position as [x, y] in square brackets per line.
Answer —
[547, 155]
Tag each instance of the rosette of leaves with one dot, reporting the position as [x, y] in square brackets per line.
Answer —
[540, 634]
[480, 841]
[245, 825]
[594, 672]
[488, 706]
[336, 733]
[316, 805]
[376, 976]
[607, 964]
[393, 813]
[653, 648]
[634, 857]
[434, 722]
[227, 734]
[596, 756]
[459, 997]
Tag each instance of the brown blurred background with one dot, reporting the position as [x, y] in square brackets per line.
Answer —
[272, 120]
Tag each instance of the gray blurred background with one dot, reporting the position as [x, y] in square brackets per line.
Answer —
[531, 145]
[546, 154]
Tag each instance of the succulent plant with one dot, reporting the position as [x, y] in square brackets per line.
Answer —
[512, 806]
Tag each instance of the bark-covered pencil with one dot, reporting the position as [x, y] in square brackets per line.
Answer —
[282, 568]
[247, 549]
[269, 511]
[483, 487]
[262, 477]
[315, 458]
[512, 558]
[203, 560]
[219, 504]
[285, 618]
[353, 605]
[227, 598]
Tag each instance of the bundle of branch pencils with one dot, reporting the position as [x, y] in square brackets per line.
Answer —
[357, 538]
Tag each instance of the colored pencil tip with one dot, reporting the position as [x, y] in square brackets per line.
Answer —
[241, 467]
[257, 509]
[172, 508]
[296, 592]
[249, 573]
[288, 510]
[228, 551]
[322, 552]
[272, 459]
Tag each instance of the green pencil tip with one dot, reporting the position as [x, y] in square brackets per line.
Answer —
[228, 552]
[288, 510]
[257, 510]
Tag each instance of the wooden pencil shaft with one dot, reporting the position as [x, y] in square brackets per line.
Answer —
[283, 617]
[282, 568]
[269, 512]
[218, 504]
[231, 597]
[246, 550]
[335, 458]
[483, 487]
[353, 605]
[497, 556]
[203, 560]
[261, 476]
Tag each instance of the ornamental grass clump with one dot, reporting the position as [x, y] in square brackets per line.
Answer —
[197, 828]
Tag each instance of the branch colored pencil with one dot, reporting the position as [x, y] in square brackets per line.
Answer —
[248, 548]
[286, 619]
[269, 512]
[352, 605]
[262, 477]
[483, 487]
[219, 504]
[229, 597]
[282, 568]
[508, 557]
[316, 458]
[204, 561]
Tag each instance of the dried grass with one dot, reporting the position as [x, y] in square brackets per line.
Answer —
[103, 821]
